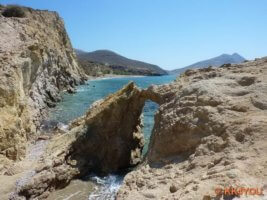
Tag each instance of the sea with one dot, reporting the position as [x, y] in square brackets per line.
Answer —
[76, 105]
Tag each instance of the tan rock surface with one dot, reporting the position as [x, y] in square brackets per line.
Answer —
[108, 138]
[36, 63]
[211, 132]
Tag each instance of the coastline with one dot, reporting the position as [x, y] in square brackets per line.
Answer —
[111, 76]
[107, 76]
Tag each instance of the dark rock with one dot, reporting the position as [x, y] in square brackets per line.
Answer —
[71, 90]
[173, 188]
[51, 104]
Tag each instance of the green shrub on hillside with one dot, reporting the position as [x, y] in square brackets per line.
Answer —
[14, 11]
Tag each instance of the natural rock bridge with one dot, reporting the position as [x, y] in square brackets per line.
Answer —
[106, 139]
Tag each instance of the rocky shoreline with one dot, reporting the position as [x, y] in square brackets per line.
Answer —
[210, 129]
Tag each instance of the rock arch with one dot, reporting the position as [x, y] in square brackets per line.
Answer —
[106, 139]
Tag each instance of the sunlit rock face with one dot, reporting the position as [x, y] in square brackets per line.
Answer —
[108, 138]
[36, 63]
[209, 132]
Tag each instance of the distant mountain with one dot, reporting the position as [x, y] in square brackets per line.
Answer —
[216, 62]
[117, 63]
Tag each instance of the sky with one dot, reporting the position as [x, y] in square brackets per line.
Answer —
[169, 33]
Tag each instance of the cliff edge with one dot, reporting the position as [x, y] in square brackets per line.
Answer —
[36, 63]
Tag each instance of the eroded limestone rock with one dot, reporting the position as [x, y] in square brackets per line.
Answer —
[209, 133]
[107, 139]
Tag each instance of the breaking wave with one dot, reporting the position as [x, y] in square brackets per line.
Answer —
[107, 187]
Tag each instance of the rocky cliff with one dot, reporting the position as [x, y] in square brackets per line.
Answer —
[210, 133]
[36, 63]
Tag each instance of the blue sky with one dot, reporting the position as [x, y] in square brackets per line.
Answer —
[169, 33]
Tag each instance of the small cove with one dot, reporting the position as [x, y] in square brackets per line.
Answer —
[75, 105]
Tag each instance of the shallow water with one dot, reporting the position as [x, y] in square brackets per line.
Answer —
[75, 105]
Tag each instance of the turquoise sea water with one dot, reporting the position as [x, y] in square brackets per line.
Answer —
[75, 105]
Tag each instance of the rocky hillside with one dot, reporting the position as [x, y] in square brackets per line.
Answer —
[215, 62]
[104, 61]
[210, 133]
[95, 69]
[36, 63]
